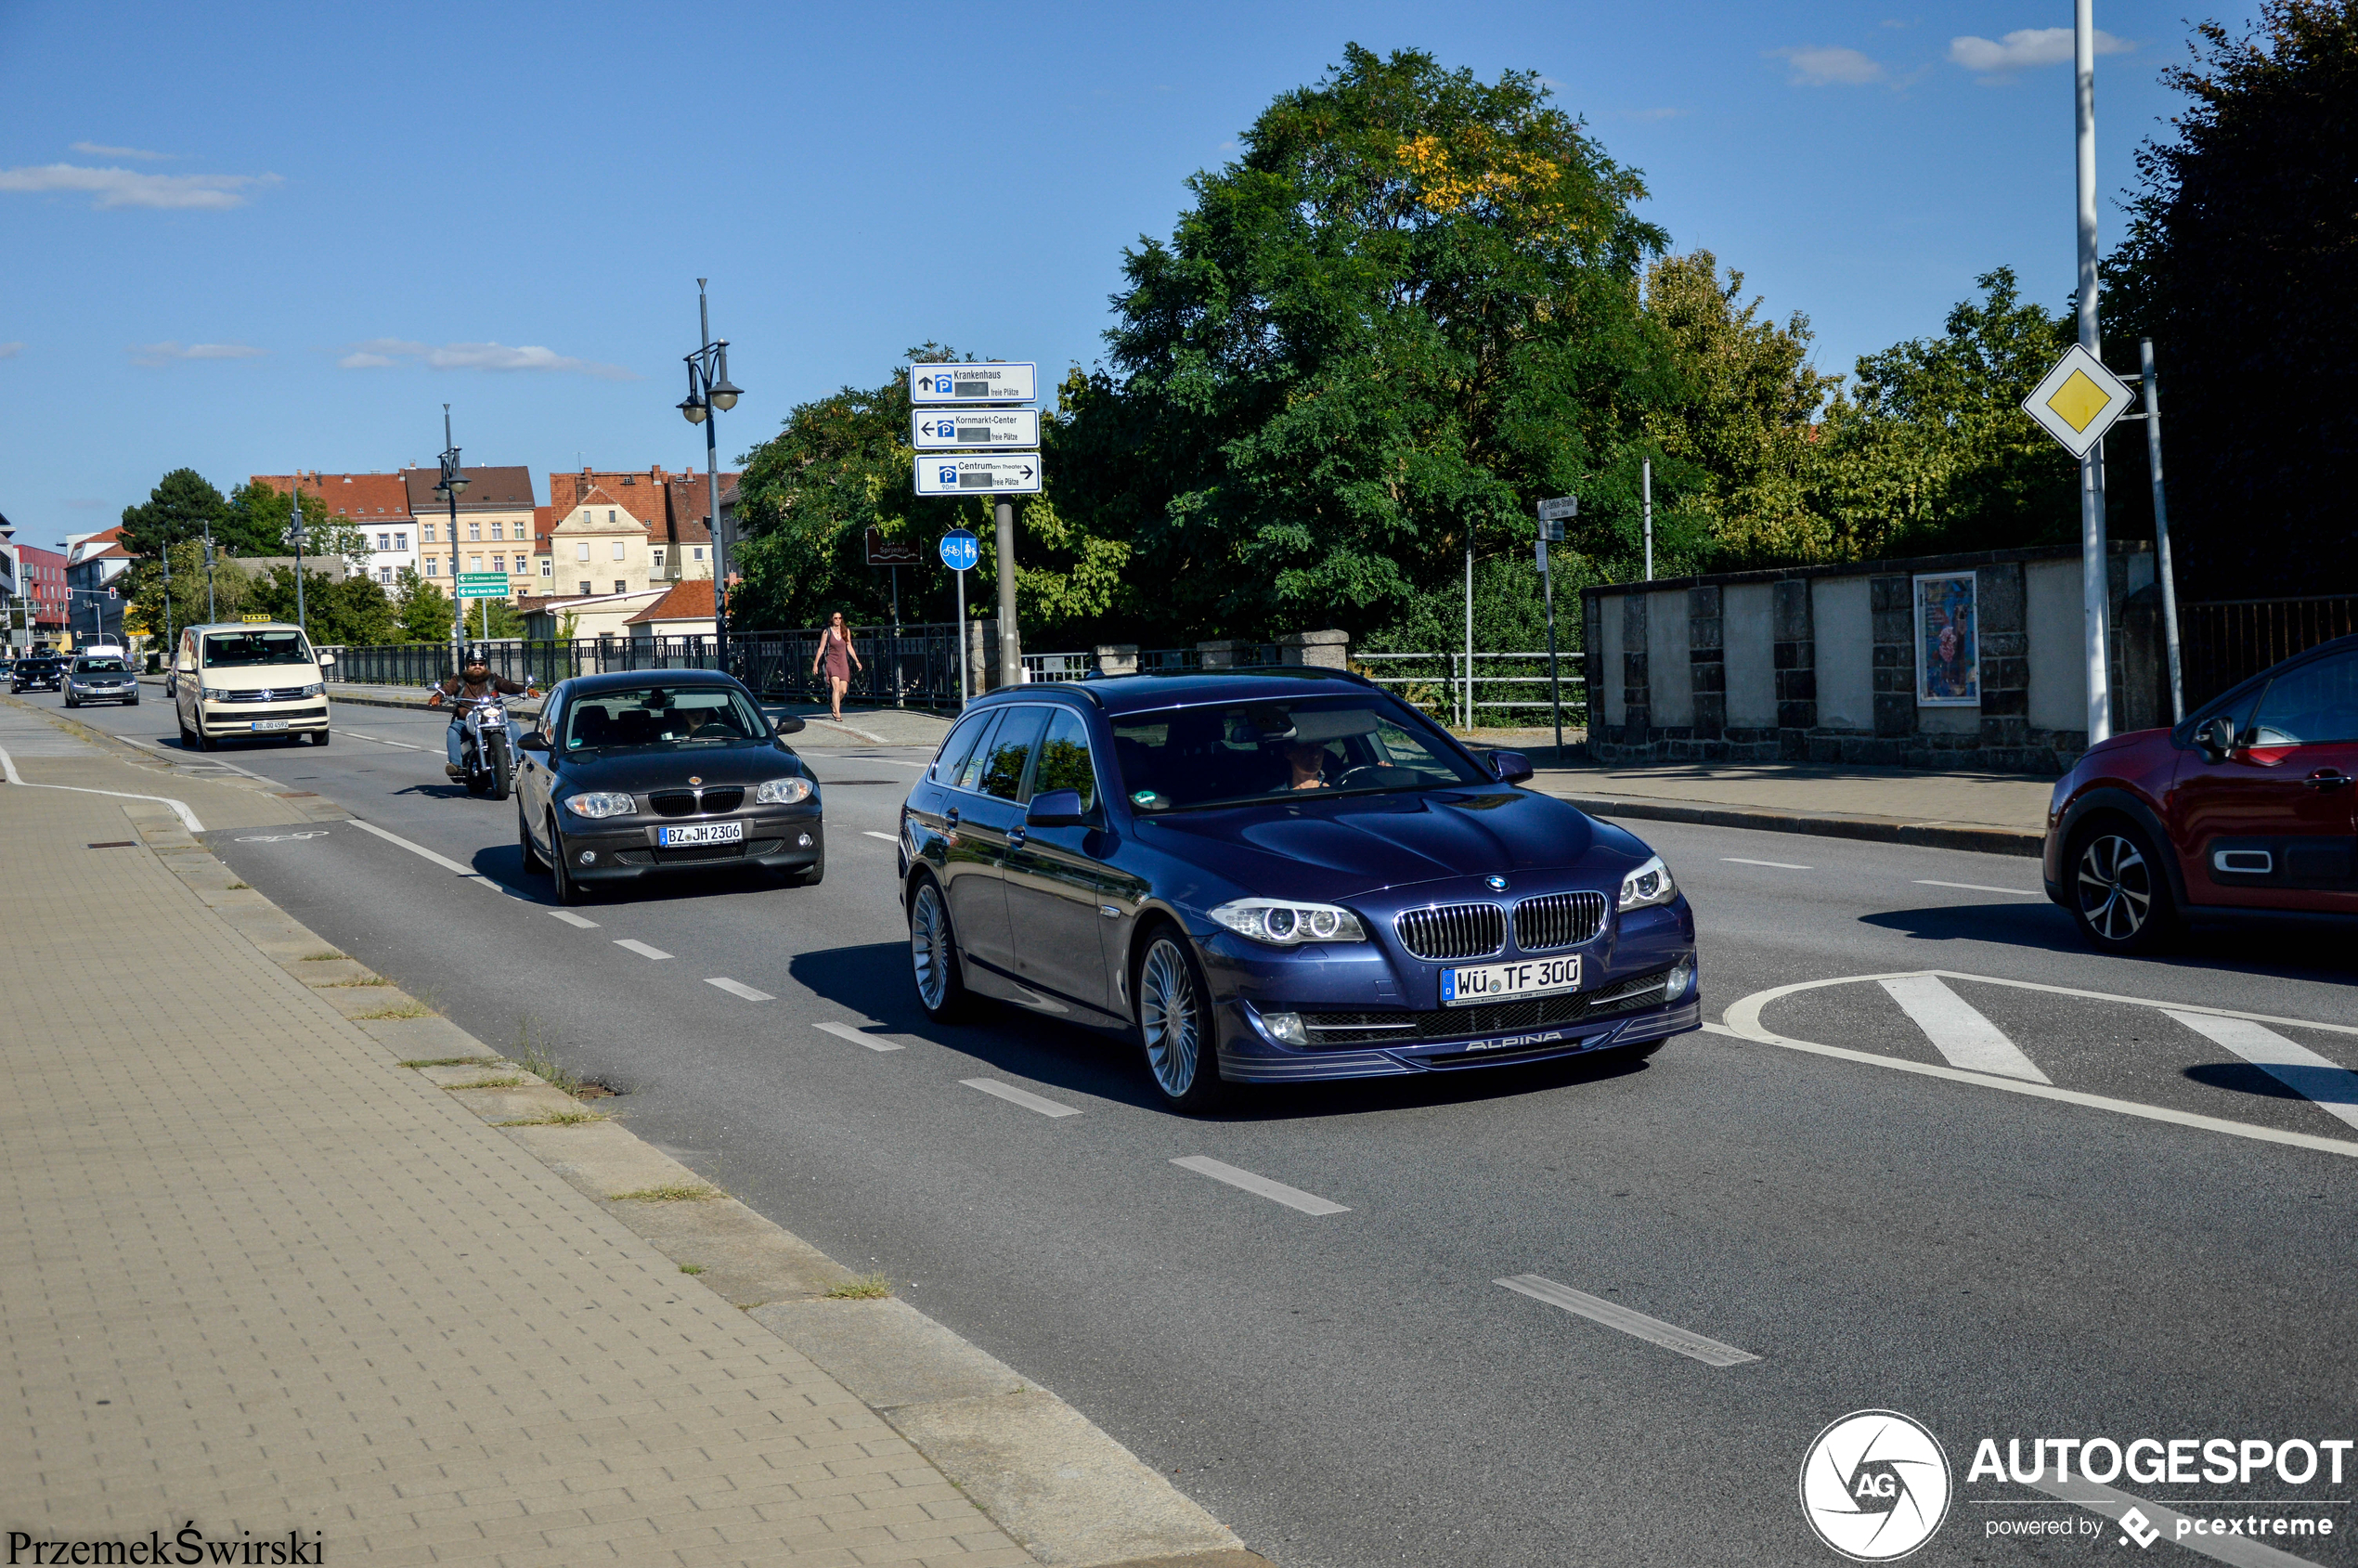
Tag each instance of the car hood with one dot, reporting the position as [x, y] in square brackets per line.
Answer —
[639, 772]
[1341, 848]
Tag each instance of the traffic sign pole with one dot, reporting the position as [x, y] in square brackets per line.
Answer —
[1551, 530]
[2095, 599]
[2161, 527]
[960, 551]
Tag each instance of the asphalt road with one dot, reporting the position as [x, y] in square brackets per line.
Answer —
[2088, 1256]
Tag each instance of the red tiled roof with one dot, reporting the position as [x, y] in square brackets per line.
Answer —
[637, 492]
[686, 602]
[543, 519]
[375, 497]
[488, 489]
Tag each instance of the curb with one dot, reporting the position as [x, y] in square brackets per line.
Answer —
[1062, 1488]
[1879, 830]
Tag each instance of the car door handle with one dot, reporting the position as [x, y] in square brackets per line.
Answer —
[1015, 838]
[950, 818]
[2327, 778]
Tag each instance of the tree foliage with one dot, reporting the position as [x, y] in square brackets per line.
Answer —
[420, 610]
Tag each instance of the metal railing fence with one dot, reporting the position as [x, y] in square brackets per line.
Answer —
[1505, 689]
[2223, 641]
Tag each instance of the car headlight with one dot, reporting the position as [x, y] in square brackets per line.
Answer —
[1648, 886]
[782, 792]
[598, 803]
[214, 693]
[315, 689]
[1282, 923]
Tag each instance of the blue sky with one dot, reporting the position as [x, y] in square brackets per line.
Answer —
[246, 238]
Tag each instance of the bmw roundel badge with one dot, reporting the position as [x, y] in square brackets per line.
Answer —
[1498, 884]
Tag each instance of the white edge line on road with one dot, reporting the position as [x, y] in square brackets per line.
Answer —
[642, 949]
[1781, 865]
[2046, 1091]
[845, 1031]
[1977, 888]
[1613, 1314]
[466, 873]
[180, 808]
[364, 736]
[871, 832]
[1023, 1098]
[738, 988]
[2110, 1503]
[197, 758]
[1277, 1192]
[572, 919]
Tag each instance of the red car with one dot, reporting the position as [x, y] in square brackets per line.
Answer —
[2247, 808]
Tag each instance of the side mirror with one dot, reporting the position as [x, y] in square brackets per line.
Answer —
[783, 722]
[1513, 767]
[1055, 808]
[2216, 738]
[532, 740]
[326, 659]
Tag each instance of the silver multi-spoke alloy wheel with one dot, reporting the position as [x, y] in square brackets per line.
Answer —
[2114, 887]
[930, 953]
[1169, 1016]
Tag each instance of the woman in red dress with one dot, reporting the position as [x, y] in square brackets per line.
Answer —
[839, 658]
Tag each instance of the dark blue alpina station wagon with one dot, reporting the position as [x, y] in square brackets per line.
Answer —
[1276, 876]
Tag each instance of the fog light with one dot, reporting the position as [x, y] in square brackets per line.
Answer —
[802, 841]
[1682, 982]
[589, 857]
[1286, 1026]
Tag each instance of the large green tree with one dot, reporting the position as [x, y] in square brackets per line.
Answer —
[1410, 309]
[2241, 264]
[181, 507]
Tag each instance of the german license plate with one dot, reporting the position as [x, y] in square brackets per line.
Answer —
[269, 723]
[702, 833]
[1508, 982]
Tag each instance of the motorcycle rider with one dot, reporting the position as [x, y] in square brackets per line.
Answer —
[475, 679]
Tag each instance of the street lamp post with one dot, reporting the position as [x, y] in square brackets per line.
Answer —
[454, 479]
[212, 608]
[295, 504]
[709, 388]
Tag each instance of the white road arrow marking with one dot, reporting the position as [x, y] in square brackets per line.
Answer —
[2333, 1087]
[1957, 1031]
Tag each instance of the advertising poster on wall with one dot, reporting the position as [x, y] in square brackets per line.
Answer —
[1948, 640]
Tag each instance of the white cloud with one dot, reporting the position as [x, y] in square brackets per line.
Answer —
[165, 353]
[128, 188]
[10, 350]
[1816, 66]
[2024, 49]
[98, 150]
[379, 352]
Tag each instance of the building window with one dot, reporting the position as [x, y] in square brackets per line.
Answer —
[384, 575]
[617, 550]
[581, 553]
[384, 541]
[433, 566]
[549, 568]
[609, 516]
[475, 531]
[699, 553]
[494, 531]
[584, 590]
[621, 587]
[654, 560]
[427, 537]
[475, 563]
[401, 542]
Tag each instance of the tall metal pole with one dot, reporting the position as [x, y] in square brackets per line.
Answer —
[712, 499]
[295, 504]
[1468, 719]
[1646, 480]
[1555, 689]
[450, 489]
[211, 609]
[2094, 588]
[1010, 638]
[2161, 528]
[965, 683]
[170, 652]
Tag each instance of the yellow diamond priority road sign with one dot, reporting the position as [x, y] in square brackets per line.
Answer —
[2078, 400]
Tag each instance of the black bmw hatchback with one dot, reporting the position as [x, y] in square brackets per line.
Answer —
[1280, 877]
[655, 772]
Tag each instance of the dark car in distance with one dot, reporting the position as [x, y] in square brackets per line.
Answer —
[658, 772]
[37, 672]
[2246, 809]
[1280, 877]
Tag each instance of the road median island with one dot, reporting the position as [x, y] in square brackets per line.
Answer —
[479, 1325]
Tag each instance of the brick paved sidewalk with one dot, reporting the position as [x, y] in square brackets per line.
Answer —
[255, 1276]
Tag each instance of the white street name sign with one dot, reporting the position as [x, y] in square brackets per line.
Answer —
[935, 429]
[1015, 475]
[1558, 508]
[974, 384]
[2078, 400]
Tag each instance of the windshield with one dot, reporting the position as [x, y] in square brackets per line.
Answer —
[98, 667]
[243, 650]
[1172, 758]
[645, 718]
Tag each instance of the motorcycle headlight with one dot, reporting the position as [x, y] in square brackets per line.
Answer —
[1648, 886]
[598, 803]
[1284, 922]
[782, 792]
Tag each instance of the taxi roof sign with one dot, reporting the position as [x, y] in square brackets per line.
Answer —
[2078, 401]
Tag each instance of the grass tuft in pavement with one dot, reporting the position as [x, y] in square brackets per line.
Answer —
[346, 985]
[554, 1118]
[512, 1080]
[241, 887]
[411, 1009]
[453, 1061]
[867, 1288]
[328, 957]
[670, 1192]
[692, 1268]
[536, 1052]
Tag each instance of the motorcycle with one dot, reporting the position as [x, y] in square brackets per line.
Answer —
[486, 744]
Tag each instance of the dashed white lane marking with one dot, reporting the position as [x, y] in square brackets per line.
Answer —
[1977, 888]
[845, 1031]
[736, 988]
[2111, 1503]
[1023, 1098]
[871, 832]
[364, 736]
[642, 949]
[445, 862]
[1277, 1192]
[2331, 1085]
[1613, 1314]
[572, 919]
[1958, 1031]
[1781, 865]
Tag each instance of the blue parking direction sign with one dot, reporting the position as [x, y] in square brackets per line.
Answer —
[960, 550]
[997, 382]
[935, 429]
[1016, 474]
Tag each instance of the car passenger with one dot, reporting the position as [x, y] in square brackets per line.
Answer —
[1306, 761]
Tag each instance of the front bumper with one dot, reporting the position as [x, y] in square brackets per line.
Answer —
[103, 695]
[623, 849]
[229, 719]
